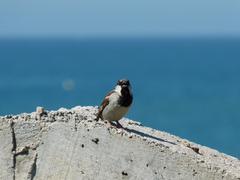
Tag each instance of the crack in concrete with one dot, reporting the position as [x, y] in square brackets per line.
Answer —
[14, 147]
[33, 169]
[72, 153]
[23, 151]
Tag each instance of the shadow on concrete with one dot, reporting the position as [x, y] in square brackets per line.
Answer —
[142, 134]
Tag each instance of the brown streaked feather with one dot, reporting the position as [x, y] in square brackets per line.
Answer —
[103, 105]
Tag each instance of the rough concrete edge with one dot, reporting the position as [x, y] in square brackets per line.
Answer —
[230, 164]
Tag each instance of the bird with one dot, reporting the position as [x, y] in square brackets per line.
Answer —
[116, 103]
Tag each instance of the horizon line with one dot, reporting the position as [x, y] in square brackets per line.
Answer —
[93, 37]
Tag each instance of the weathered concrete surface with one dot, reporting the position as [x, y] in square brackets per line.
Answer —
[69, 144]
[6, 147]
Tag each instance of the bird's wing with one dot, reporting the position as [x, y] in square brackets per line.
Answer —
[103, 105]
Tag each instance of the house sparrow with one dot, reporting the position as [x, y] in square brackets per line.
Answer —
[116, 103]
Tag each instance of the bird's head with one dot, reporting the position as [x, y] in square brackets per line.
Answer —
[124, 83]
[124, 87]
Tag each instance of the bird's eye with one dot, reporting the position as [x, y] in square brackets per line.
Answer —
[119, 82]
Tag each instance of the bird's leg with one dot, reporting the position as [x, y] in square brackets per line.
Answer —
[111, 124]
[119, 125]
[97, 117]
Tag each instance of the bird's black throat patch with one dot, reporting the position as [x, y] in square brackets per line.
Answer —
[126, 98]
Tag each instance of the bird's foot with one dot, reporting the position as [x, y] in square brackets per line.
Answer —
[118, 125]
[115, 125]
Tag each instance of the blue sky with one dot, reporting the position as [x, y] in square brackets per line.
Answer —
[119, 18]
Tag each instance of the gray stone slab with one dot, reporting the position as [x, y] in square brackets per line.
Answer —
[69, 144]
[6, 146]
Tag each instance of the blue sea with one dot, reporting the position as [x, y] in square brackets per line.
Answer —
[186, 86]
